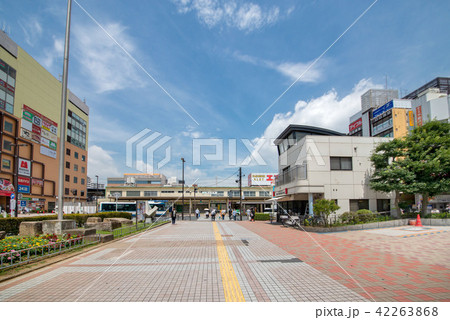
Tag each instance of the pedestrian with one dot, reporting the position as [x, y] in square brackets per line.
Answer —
[248, 213]
[213, 215]
[197, 213]
[230, 213]
[173, 214]
[222, 213]
[234, 214]
[252, 214]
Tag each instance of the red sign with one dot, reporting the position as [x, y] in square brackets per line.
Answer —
[355, 125]
[419, 115]
[23, 181]
[36, 129]
[37, 182]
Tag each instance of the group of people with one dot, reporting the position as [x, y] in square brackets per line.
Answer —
[233, 214]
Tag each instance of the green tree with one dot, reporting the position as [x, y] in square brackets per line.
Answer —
[324, 208]
[391, 170]
[428, 149]
[418, 163]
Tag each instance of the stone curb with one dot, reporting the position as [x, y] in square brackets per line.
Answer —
[66, 256]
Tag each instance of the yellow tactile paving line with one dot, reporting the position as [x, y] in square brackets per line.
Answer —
[231, 287]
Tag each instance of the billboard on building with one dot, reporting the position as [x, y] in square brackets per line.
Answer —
[261, 179]
[419, 115]
[355, 125]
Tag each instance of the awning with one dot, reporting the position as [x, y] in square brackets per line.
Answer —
[277, 199]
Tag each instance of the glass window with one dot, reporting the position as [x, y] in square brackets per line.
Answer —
[68, 151]
[83, 158]
[9, 108]
[150, 193]
[82, 193]
[75, 179]
[75, 167]
[82, 181]
[6, 164]
[341, 163]
[66, 191]
[67, 178]
[76, 155]
[249, 194]
[264, 194]
[83, 169]
[7, 145]
[67, 164]
[2, 75]
[133, 193]
[9, 98]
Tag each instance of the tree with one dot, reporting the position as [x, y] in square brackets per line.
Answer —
[391, 170]
[428, 149]
[324, 208]
[418, 163]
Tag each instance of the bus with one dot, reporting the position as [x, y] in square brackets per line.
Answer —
[118, 206]
[160, 204]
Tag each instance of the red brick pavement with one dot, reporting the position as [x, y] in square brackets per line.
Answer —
[386, 275]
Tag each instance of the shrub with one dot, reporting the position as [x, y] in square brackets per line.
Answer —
[262, 216]
[365, 215]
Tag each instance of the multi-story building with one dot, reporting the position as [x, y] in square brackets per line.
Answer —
[30, 111]
[316, 163]
[200, 197]
[138, 180]
[391, 119]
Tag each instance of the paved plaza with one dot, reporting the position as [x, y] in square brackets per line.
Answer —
[243, 261]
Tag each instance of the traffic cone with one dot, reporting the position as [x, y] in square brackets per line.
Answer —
[418, 222]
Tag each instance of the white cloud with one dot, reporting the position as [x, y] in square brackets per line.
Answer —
[51, 55]
[101, 163]
[291, 70]
[327, 111]
[107, 67]
[32, 30]
[245, 16]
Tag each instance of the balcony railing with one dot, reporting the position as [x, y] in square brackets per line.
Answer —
[293, 174]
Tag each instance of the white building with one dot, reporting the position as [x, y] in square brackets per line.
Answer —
[318, 163]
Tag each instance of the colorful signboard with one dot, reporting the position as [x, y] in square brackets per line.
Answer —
[23, 189]
[6, 188]
[411, 118]
[355, 125]
[419, 115]
[261, 179]
[39, 129]
[24, 167]
[37, 182]
[23, 181]
[383, 109]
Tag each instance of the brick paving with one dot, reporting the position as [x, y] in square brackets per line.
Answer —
[180, 263]
[388, 266]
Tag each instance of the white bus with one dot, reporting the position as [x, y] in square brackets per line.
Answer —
[118, 206]
[161, 206]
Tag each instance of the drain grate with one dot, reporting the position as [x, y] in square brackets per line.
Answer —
[245, 242]
[293, 260]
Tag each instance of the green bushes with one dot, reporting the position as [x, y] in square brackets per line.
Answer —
[11, 225]
[360, 216]
[262, 216]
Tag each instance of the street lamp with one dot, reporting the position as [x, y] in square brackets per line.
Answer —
[16, 173]
[116, 195]
[182, 190]
[96, 192]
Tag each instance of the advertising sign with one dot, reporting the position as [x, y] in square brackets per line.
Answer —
[419, 115]
[261, 179]
[23, 189]
[24, 167]
[37, 182]
[23, 181]
[411, 118]
[48, 152]
[355, 125]
[24, 133]
[383, 109]
[40, 129]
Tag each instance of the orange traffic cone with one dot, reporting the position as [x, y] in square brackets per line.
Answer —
[418, 222]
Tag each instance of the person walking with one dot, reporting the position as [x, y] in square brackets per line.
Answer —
[248, 213]
[222, 213]
[234, 214]
[173, 214]
[252, 214]
[197, 213]
[213, 215]
[230, 213]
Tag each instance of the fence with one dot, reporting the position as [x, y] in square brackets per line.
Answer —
[121, 232]
[80, 207]
[23, 256]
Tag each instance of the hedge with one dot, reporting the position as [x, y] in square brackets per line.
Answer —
[11, 225]
[262, 216]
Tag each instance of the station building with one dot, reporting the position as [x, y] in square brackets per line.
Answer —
[316, 163]
[30, 112]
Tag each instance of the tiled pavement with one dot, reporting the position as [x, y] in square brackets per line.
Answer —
[183, 262]
[388, 266]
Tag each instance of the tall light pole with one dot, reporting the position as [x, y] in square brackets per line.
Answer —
[62, 124]
[96, 193]
[182, 189]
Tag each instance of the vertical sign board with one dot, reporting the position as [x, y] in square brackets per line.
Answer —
[419, 115]
[411, 118]
[24, 167]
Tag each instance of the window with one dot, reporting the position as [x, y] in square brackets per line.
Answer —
[7, 145]
[67, 164]
[7, 87]
[167, 191]
[75, 179]
[359, 204]
[383, 205]
[83, 158]
[8, 126]
[76, 155]
[82, 181]
[74, 192]
[83, 169]
[75, 167]
[67, 178]
[133, 193]
[6, 164]
[150, 193]
[76, 130]
[264, 194]
[82, 193]
[66, 191]
[249, 193]
[68, 151]
[341, 163]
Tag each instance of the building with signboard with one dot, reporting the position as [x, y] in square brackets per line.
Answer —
[261, 179]
[391, 119]
[316, 163]
[30, 111]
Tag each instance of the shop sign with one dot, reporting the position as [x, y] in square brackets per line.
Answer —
[23, 181]
[419, 115]
[24, 167]
[24, 133]
[27, 125]
[48, 152]
[37, 182]
[355, 125]
[23, 189]
[6, 164]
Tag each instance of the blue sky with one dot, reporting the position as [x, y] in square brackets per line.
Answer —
[225, 63]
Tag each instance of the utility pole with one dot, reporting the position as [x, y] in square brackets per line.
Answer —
[182, 190]
[240, 193]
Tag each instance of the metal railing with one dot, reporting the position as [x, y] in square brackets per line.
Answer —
[22, 256]
[295, 173]
[123, 231]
